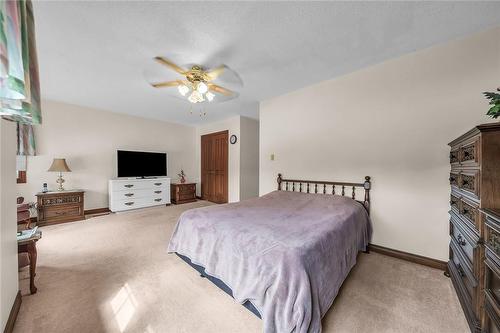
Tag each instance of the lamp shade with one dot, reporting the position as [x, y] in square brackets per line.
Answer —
[59, 165]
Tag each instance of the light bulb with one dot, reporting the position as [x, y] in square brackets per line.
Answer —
[209, 96]
[202, 87]
[183, 89]
[195, 97]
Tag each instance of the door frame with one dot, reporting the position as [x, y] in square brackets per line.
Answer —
[226, 132]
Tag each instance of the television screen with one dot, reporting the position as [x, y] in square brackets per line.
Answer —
[141, 164]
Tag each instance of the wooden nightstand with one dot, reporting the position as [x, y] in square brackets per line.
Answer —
[59, 207]
[182, 192]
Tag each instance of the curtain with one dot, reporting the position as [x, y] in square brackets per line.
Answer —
[25, 140]
[19, 81]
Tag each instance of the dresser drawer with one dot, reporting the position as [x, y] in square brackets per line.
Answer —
[466, 240]
[62, 212]
[132, 194]
[63, 199]
[189, 188]
[469, 183]
[454, 179]
[465, 285]
[466, 209]
[492, 311]
[455, 202]
[130, 185]
[131, 203]
[470, 213]
[469, 153]
[455, 156]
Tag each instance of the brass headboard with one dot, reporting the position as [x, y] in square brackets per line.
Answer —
[313, 186]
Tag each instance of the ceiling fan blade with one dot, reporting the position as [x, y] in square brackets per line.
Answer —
[219, 89]
[167, 84]
[170, 64]
[214, 73]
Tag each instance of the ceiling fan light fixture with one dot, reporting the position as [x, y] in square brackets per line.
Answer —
[202, 87]
[196, 97]
[209, 96]
[183, 89]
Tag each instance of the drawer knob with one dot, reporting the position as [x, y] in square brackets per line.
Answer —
[460, 270]
[461, 241]
[129, 185]
[129, 203]
[129, 194]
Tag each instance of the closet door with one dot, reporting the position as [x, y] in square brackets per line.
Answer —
[214, 167]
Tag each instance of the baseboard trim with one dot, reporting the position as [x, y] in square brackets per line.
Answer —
[415, 258]
[14, 311]
[97, 211]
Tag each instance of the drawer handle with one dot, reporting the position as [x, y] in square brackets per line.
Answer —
[158, 184]
[157, 200]
[61, 213]
[129, 194]
[461, 241]
[460, 270]
[129, 185]
[129, 203]
[157, 192]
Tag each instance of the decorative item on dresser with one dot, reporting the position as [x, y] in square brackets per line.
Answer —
[59, 165]
[60, 206]
[475, 184]
[492, 273]
[183, 192]
[126, 194]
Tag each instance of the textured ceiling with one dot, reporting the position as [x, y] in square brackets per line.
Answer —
[94, 53]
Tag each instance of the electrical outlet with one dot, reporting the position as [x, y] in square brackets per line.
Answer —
[272, 157]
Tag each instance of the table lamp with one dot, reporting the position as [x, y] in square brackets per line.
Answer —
[59, 165]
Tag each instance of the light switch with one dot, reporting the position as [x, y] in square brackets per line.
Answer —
[272, 157]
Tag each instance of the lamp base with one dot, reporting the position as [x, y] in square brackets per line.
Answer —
[60, 181]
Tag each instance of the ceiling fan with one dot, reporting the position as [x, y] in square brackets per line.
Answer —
[199, 84]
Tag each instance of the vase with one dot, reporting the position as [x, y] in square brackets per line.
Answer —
[183, 180]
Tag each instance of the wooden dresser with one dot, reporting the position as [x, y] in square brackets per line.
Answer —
[183, 192]
[475, 183]
[59, 206]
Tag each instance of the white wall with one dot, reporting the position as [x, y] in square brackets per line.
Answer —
[8, 222]
[233, 126]
[391, 121]
[89, 138]
[249, 158]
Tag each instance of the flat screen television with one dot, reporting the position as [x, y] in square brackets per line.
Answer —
[141, 164]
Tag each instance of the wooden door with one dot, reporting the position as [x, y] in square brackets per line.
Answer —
[214, 167]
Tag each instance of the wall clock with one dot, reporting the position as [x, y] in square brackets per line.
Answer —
[233, 139]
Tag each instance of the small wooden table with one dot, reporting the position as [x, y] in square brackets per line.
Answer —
[29, 246]
[60, 206]
[182, 192]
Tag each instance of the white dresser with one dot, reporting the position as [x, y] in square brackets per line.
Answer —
[126, 194]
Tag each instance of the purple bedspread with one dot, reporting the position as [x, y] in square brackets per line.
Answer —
[286, 252]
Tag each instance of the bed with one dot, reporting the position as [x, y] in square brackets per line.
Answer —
[284, 255]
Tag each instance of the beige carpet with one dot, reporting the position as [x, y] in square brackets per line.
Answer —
[112, 274]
